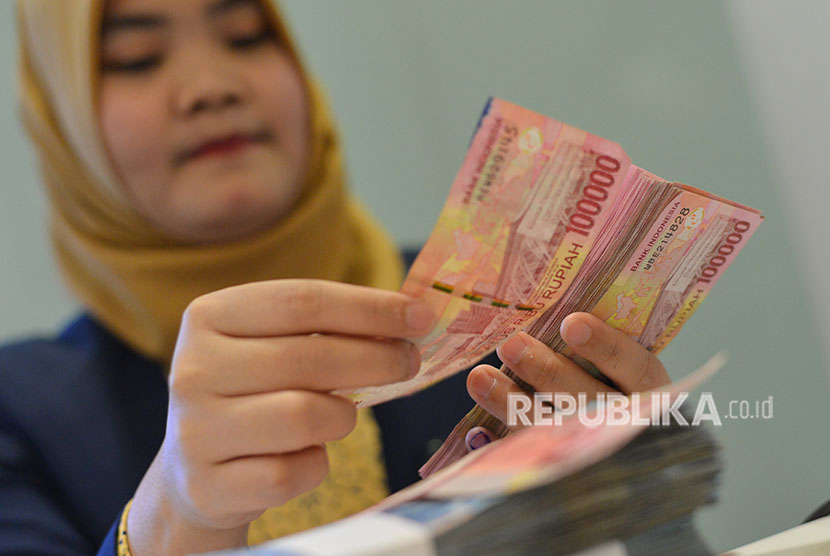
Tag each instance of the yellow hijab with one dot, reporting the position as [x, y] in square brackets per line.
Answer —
[137, 281]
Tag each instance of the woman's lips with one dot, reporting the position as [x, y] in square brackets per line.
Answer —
[224, 146]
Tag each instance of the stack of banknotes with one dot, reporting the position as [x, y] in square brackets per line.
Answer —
[543, 220]
[617, 489]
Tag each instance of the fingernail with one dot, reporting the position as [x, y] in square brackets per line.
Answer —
[477, 437]
[419, 316]
[512, 350]
[574, 331]
[481, 383]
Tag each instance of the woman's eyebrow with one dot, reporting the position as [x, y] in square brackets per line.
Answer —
[112, 24]
[222, 6]
[115, 23]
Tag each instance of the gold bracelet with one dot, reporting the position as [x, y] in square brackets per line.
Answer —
[121, 543]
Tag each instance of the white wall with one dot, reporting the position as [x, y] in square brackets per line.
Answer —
[31, 295]
[786, 50]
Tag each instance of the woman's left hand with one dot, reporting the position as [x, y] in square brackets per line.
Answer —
[628, 364]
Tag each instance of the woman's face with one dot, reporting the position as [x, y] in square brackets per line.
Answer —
[204, 115]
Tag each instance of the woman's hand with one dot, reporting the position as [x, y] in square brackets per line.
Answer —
[628, 364]
[251, 406]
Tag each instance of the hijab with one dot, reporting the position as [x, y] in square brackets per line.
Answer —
[137, 281]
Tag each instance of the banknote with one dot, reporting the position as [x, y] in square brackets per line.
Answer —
[648, 289]
[690, 244]
[522, 215]
[543, 220]
[658, 255]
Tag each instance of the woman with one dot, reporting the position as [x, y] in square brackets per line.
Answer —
[230, 284]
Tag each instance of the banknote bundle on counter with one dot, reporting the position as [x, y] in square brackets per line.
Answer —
[626, 489]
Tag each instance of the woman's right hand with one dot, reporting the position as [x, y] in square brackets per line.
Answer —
[251, 406]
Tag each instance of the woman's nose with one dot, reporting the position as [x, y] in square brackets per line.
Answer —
[208, 85]
[209, 100]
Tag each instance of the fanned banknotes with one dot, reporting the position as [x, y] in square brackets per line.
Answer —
[544, 219]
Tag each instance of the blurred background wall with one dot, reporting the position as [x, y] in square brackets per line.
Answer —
[731, 97]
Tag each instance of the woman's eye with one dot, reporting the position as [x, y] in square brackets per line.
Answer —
[139, 65]
[243, 42]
